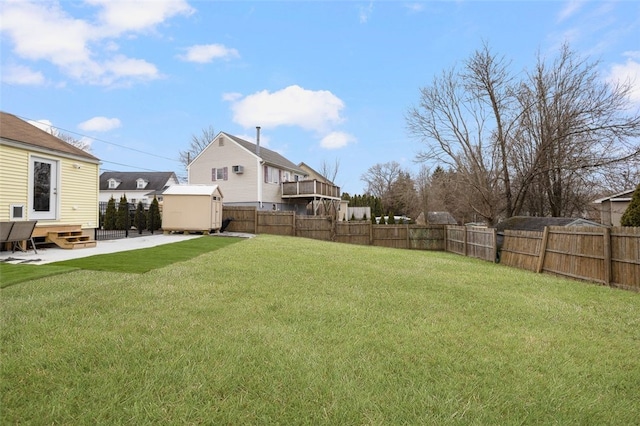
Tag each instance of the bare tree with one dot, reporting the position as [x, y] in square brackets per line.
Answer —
[78, 143]
[197, 145]
[535, 146]
[451, 120]
[572, 128]
[330, 171]
[393, 185]
[380, 177]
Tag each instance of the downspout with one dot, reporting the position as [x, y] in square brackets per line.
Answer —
[260, 164]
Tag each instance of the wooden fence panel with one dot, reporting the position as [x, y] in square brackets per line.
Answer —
[455, 239]
[481, 243]
[521, 249]
[472, 241]
[625, 257]
[276, 223]
[244, 218]
[354, 232]
[394, 236]
[426, 237]
[316, 227]
[576, 252]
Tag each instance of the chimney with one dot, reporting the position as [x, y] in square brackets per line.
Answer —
[258, 140]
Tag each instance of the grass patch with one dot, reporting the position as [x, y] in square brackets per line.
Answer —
[13, 274]
[143, 260]
[297, 331]
[133, 261]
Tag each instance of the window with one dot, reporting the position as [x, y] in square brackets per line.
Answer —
[16, 211]
[287, 177]
[141, 184]
[219, 174]
[271, 174]
[113, 184]
[221, 141]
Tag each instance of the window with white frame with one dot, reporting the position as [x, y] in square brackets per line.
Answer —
[271, 174]
[141, 183]
[113, 184]
[221, 173]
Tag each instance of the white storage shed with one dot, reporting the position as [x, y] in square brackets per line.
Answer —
[196, 208]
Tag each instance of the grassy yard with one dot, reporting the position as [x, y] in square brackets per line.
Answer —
[134, 261]
[280, 330]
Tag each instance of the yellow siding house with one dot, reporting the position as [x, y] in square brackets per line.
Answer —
[46, 179]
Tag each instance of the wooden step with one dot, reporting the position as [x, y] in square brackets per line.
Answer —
[71, 239]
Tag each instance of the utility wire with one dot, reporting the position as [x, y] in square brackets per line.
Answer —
[107, 142]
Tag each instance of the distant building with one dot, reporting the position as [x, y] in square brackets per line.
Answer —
[136, 186]
[613, 207]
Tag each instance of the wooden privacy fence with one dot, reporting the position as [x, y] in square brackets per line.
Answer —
[472, 241]
[250, 220]
[609, 256]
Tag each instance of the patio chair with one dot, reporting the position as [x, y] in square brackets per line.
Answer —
[5, 228]
[22, 231]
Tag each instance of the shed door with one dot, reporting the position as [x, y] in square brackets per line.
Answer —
[216, 213]
[43, 191]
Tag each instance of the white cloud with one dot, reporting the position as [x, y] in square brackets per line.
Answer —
[231, 96]
[21, 75]
[100, 124]
[414, 7]
[336, 140]
[204, 53]
[291, 106]
[629, 72]
[365, 13]
[44, 31]
[570, 9]
[122, 16]
[45, 125]
[84, 49]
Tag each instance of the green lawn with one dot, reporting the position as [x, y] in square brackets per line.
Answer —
[134, 261]
[297, 331]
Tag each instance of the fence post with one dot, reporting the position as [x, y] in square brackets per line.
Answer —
[494, 242]
[543, 249]
[446, 237]
[408, 240]
[293, 223]
[370, 233]
[255, 221]
[607, 255]
[464, 239]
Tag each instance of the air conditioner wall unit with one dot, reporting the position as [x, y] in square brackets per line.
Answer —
[237, 169]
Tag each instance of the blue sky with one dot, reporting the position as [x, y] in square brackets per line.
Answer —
[326, 81]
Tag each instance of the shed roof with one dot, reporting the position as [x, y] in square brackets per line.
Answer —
[192, 190]
[441, 218]
[620, 196]
[17, 130]
[531, 223]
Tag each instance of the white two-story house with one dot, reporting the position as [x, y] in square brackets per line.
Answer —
[136, 186]
[251, 175]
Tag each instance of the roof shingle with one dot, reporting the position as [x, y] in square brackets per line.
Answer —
[15, 129]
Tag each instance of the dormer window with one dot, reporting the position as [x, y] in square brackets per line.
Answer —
[141, 183]
[113, 183]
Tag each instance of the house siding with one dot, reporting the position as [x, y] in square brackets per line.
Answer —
[14, 179]
[77, 194]
[237, 187]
